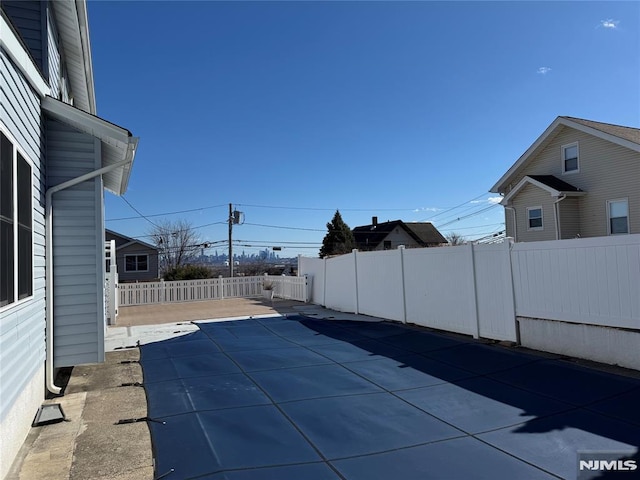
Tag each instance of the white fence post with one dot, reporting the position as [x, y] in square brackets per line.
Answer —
[404, 291]
[324, 280]
[474, 306]
[355, 267]
[221, 287]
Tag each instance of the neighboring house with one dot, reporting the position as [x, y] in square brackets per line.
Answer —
[136, 260]
[57, 158]
[580, 178]
[392, 234]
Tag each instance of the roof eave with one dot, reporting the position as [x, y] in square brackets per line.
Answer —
[73, 28]
[117, 143]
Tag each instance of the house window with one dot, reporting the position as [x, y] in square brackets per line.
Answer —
[16, 227]
[534, 218]
[570, 158]
[618, 215]
[387, 244]
[136, 263]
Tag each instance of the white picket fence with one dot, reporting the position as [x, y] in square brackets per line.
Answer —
[148, 293]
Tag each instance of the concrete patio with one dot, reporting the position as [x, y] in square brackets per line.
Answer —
[446, 397]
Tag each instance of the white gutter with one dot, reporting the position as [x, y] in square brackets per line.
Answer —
[49, 380]
[556, 213]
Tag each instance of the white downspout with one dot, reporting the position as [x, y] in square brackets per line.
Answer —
[49, 258]
[515, 222]
[556, 213]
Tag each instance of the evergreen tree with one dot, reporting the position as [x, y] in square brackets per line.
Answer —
[339, 238]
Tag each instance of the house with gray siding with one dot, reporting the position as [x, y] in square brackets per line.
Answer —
[136, 261]
[57, 157]
[578, 179]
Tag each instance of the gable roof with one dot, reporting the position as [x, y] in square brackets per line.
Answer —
[628, 137]
[423, 233]
[126, 241]
[551, 184]
[427, 232]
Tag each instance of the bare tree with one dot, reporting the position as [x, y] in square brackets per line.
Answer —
[455, 239]
[177, 242]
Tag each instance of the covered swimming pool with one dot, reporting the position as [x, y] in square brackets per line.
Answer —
[302, 398]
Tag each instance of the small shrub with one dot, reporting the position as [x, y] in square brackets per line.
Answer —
[188, 272]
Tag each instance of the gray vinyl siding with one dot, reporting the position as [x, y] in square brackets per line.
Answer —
[29, 17]
[137, 249]
[22, 325]
[531, 196]
[78, 247]
[53, 51]
[607, 171]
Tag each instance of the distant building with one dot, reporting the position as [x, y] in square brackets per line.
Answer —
[136, 260]
[389, 235]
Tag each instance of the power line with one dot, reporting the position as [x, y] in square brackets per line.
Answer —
[327, 209]
[285, 228]
[138, 212]
[469, 215]
[457, 206]
[165, 214]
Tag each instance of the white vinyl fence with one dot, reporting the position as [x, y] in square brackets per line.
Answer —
[147, 293]
[589, 280]
[480, 290]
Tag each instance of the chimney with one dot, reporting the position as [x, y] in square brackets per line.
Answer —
[374, 221]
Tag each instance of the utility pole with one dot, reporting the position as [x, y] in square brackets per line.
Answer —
[231, 218]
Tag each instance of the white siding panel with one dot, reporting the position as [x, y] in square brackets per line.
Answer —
[494, 292]
[380, 284]
[592, 281]
[440, 289]
[314, 267]
[341, 290]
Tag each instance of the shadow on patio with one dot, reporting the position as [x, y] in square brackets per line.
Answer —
[299, 397]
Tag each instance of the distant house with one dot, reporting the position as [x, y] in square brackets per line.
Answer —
[580, 178]
[136, 260]
[56, 159]
[391, 234]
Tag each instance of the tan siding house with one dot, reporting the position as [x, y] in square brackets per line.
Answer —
[579, 178]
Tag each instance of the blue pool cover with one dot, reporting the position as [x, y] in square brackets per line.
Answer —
[306, 399]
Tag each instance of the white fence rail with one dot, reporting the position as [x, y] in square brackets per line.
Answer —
[147, 293]
[480, 289]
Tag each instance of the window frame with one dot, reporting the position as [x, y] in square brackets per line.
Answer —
[18, 227]
[529, 227]
[563, 158]
[609, 217]
[136, 255]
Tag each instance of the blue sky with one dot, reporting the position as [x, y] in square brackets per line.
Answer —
[291, 110]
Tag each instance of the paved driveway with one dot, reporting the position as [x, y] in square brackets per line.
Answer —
[302, 398]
